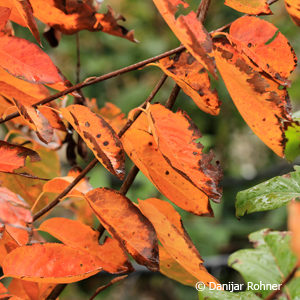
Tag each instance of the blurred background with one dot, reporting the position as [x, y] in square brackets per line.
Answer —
[245, 160]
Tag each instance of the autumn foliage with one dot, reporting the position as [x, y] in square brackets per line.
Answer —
[250, 55]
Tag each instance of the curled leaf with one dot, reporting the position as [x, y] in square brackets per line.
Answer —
[189, 30]
[124, 222]
[99, 136]
[191, 76]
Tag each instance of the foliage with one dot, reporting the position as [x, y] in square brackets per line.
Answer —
[43, 112]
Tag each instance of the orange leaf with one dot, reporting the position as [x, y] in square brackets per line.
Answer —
[189, 30]
[22, 13]
[271, 50]
[174, 238]
[253, 7]
[141, 148]
[4, 16]
[172, 269]
[7, 244]
[13, 157]
[292, 8]
[99, 136]
[293, 225]
[190, 75]
[36, 121]
[78, 235]
[15, 215]
[264, 106]
[26, 60]
[176, 136]
[124, 222]
[67, 264]
[74, 16]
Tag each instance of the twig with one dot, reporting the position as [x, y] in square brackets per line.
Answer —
[283, 284]
[94, 162]
[94, 80]
[78, 58]
[113, 281]
[56, 292]
[129, 180]
[202, 10]
[171, 101]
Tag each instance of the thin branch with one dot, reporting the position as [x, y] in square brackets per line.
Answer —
[94, 162]
[283, 284]
[65, 191]
[94, 80]
[171, 101]
[202, 10]
[78, 58]
[56, 291]
[129, 180]
[101, 288]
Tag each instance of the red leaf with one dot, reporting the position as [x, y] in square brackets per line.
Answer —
[4, 16]
[26, 60]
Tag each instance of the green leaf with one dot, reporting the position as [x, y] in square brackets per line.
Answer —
[292, 147]
[270, 194]
[269, 263]
[209, 294]
[294, 288]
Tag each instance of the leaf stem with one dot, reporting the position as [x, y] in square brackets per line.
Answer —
[56, 291]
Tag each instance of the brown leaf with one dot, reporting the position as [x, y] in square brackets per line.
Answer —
[124, 222]
[99, 136]
[174, 238]
[189, 30]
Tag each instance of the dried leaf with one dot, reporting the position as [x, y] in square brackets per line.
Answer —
[253, 7]
[13, 157]
[67, 264]
[78, 235]
[293, 9]
[271, 50]
[189, 30]
[26, 60]
[174, 238]
[36, 121]
[176, 137]
[99, 136]
[141, 147]
[124, 222]
[191, 76]
[263, 105]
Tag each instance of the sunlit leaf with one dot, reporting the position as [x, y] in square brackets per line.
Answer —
[191, 76]
[174, 238]
[177, 139]
[271, 50]
[67, 264]
[251, 7]
[123, 220]
[99, 136]
[189, 30]
[4, 16]
[263, 105]
[270, 194]
[141, 147]
[7, 244]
